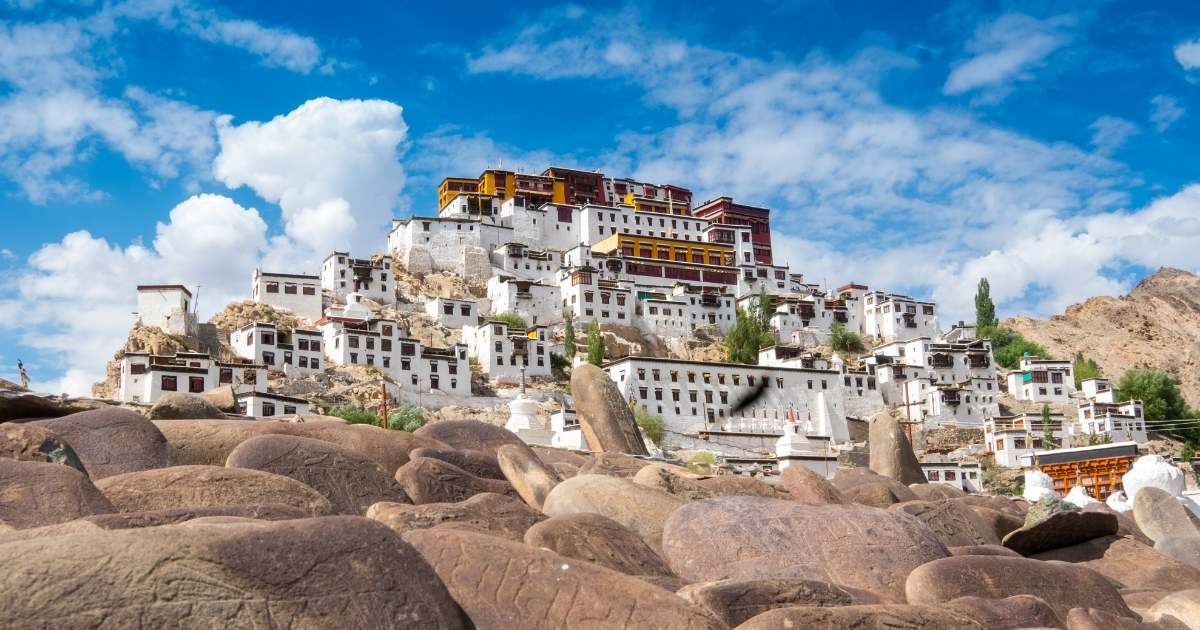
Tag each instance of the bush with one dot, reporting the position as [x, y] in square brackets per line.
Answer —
[407, 418]
[354, 415]
[1085, 368]
[702, 462]
[844, 340]
[652, 425]
[595, 344]
[560, 366]
[1159, 393]
[512, 319]
[1008, 346]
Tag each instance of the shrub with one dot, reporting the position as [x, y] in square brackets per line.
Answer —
[1085, 368]
[652, 424]
[702, 462]
[354, 415]
[844, 340]
[1008, 346]
[595, 344]
[407, 418]
[512, 319]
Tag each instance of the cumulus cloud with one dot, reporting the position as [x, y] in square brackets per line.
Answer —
[332, 166]
[74, 300]
[1110, 132]
[1007, 49]
[1188, 54]
[1165, 111]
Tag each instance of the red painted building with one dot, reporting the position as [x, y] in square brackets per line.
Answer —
[724, 210]
[582, 187]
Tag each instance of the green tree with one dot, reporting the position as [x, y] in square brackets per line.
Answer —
[1047, 432]
[762, 311]
[985, 309]
[651, 423]
[743, 340]
[595, 344]
[569, 340]
[512, 319]
[1085, 368]
[407, 418]
[1008, 346]
[1159, 393]
[842, 339]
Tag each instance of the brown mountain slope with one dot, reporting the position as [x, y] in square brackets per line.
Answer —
[1157, 325]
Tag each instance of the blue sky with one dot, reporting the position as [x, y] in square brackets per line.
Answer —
[1050, 146]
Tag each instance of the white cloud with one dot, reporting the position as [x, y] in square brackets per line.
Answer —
[1188, 54]
[75, 299]
[1110, 132]
[332, 166]
[1007, 49]
[1165, 111]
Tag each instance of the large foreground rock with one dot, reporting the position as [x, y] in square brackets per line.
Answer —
[351, 481]
[181, 406]
[469, 435]
[736, 601]
[477, 463]
[667, 480]
[872, 617]
[208, 486]
[605, 418]
[1018, 611]
[954, 522]
[1129, 563]
[755, 538]
[503, 584]
[1062, 586]
[1184, 606]
[427, 480]
[31, 443]
[806, 485]
[599, 540]
[643, 510]
[111, 441]
[530, 476]
[891, 453]
[1160, 515]
[613, 465]
[34, 494]
[741, 485]
[492, 513]
[867, 487]
[335, 572]
[1185, 549]
[1060, 529]
[170, 516]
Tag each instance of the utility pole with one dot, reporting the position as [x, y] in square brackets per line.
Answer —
[383, 397]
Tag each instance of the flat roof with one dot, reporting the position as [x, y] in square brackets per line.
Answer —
[271, 396]
[299, 276]
[703, 364]
[161, 287]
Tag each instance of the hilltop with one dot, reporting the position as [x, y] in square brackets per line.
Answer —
[1156, 325]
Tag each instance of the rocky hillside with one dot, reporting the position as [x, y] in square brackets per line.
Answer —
[1157, 325]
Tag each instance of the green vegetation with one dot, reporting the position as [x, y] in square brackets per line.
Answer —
[651, 423]
[512, 319]
[751, 332]
[1085, 368]
[1095, 439]
[569, 340]
[560, 366]
[407, 418]
[354, 415]
[844, 340]
[985, 309]
[1008, 346]
[1162, 402]
[1047, 432]
[703, 462]
[595, 344]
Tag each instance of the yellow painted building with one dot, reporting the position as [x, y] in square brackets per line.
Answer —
[451, 187]
[666, 249]
[646, 204]
[505, 185]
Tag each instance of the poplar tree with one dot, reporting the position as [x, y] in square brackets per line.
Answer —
[595, 345]
[985, 309]
[569, 340]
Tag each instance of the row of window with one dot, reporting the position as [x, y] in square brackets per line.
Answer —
[290, 289]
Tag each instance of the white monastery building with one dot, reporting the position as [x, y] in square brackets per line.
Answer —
[453, 313]
[266, 405]
[147, 377]
[294, 353]
[372, 278]
[502, 352]
[299, 294]
[1042, 380]
[167, 306]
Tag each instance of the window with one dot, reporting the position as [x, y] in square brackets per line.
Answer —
[370, 343]
[464, 310]
[405, 364]
[386, 330]
[269, 358]
[453, 367]
[287, 357]
[137, 368]
[196, 384]
[433, 381]
[315, 346]
[370, 359]
[448, 309]
[951, 475]
[353, 341]
[387, 362]
[354, 357]
[289, 410]
[932, 475]
[268, 339]
[302, 344]
[169, 383]
[272, 287]
[310, 290]
[303, 362]
[250, 376]
[289, 289]
[225, 376]
[385, 345]
[268, 409]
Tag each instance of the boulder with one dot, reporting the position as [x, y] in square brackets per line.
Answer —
[983, 550]
[350, 480]
[32, 443]
[756, 538]
[387, 448]
[207, 486]
[1060, 529]
[954, 522]
[1092, 619]
[870, 617]
[663, 478]
[111, 441]
[804, 484]
[604, 416]
[1062, 586]
[17, 403]
[1079, 497]
[736, 601]
[891, 453]
[613, 465]
[504, 584]
[1037, 485]
[668, 583]
[468, 435]
[1186, 549]
[1183, 605]
[311, 573]
[599, 540]
[488, 512]
[1153, 471]
[170, 516]
[643, 510]
[223, 398]
[180, 406]
[935, 491]
[564, 470]
[741, 485]
[1001, 522]
[1161, 515]
[1018, 611]
[553, 456]
[1000, 504]
[33, 494]
[1046, 506]
[1129, 563]
[477, 463]
[878, 494]
[530, 477]
[427, 480]
[1126, 525]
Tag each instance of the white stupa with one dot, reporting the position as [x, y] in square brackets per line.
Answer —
[522, 418]
[1037, 485]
